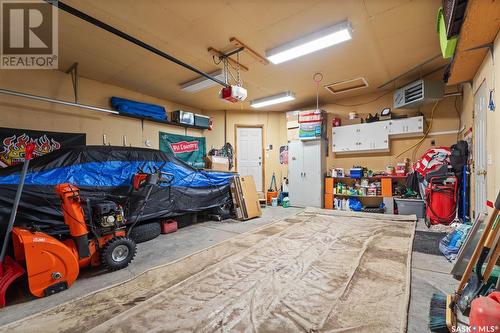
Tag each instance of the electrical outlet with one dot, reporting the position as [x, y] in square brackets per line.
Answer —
[433, 142]
[490, 159]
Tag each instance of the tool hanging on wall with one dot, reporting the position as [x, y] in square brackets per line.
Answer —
[272, 192]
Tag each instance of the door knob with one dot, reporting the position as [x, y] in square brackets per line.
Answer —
[482, 173]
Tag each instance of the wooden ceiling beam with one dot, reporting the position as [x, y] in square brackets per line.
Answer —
[236, 42]
[233, 62]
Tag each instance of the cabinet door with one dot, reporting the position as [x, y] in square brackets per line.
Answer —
[295, 173]
[345, 138]
[415, 125]
[396, 126]
[373, 136]
[313, 178]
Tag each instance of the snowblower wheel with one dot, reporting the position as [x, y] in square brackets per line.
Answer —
[145, 232]
[118, 253]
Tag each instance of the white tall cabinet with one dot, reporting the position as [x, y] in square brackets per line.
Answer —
[306, 170]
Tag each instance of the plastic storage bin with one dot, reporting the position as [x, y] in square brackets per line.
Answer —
[410, 207]
[356, 173]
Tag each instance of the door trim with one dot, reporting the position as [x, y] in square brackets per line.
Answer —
[480, 207]
[261, 126]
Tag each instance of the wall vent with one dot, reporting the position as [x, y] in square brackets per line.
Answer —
[345, 86]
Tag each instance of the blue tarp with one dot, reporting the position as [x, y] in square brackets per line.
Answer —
[139, 109]
[106, 172]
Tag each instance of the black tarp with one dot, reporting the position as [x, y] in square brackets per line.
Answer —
[13, 141]
[106, 173]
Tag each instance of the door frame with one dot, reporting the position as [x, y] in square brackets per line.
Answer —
[261, 126]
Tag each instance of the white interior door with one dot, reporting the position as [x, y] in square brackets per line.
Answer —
[480, 109]
[249, 153]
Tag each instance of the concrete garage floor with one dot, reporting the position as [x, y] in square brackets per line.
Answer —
[429, 272]
[159, 251]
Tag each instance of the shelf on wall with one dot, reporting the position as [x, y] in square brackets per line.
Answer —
[370, 178]
[166, 122]
[474, 39]
[357, 196]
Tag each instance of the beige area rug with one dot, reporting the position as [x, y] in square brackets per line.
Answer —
[313, 272]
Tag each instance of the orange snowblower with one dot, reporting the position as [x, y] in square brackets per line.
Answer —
[98, 238]
[54, 265]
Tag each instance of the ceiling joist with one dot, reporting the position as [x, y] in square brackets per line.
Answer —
[236, 42]
[220, 55]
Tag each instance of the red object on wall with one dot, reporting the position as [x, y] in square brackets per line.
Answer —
[485, 313]
[336, 122]
[168, 226]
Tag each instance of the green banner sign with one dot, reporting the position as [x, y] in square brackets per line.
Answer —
[190, 149]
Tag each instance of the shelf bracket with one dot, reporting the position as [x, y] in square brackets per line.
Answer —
[73, 70]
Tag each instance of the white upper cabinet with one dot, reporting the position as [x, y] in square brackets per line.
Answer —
[374, 137]
[371, 137]
[414, 126]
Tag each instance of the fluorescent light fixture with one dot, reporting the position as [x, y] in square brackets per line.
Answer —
[202, 82]
[274, 99]
[313, 42]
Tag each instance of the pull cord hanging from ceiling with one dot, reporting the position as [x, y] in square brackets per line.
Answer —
[317, 78]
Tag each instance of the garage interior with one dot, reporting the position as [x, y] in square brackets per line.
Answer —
[249, 166]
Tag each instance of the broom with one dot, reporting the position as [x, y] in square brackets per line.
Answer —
[442, 307]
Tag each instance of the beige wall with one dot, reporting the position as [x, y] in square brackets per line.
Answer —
[445, 119]
[23, 113]
[490, 74]
[18, 112]
[274, 134]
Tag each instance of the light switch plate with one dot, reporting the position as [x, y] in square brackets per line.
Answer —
[490, 159]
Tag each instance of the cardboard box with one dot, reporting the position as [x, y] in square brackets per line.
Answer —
[218, 163]
[292, 134]
[292, 116]
[245, 197]
[292, 124]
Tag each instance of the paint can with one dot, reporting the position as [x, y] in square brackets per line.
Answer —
[274, 202]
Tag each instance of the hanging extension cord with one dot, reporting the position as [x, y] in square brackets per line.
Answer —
[419, 143]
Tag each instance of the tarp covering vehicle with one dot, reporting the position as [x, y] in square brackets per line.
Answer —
[105, 173]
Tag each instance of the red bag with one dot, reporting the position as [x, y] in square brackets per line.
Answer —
[441, 199]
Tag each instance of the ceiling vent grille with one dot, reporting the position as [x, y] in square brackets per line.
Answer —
[345, 86]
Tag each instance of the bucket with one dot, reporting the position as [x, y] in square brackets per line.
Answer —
[270, 196]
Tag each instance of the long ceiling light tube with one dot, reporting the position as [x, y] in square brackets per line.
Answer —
[274, 99]
[92, 20]
[313, 42]
[202, 82]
